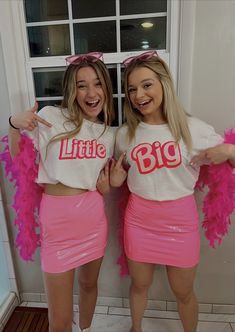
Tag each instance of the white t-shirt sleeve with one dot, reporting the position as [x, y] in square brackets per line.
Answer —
[213, 138]
[112, 141]
[203, 135]
[120, 142]
[34, 135]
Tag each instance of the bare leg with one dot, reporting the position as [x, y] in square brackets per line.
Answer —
[141, 279]
[59, 290]
[88, 277]
[181, 281]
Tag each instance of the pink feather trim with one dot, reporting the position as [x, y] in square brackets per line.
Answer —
[219, 202]
[23, 170]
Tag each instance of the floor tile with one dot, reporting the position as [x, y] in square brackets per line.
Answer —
[113, 319]
[115, 323]
[214, 327]
[37, 304]
[223, 309]
[110, 301]
[217, 318]
[24, 304]
[33, 297]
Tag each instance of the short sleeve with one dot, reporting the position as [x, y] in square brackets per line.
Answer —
[203, 135]
[112, 141]
[213, 138]
[120, 142]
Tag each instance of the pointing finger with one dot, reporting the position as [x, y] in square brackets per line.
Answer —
[34, 109]
[41, 120]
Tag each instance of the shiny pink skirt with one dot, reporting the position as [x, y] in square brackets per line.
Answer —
[73, 230]
[162, 232]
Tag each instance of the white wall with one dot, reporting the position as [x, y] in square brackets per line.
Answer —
[213, 84]
[211, 79]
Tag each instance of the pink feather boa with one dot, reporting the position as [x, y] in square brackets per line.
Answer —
[218, 203]
[23, 170]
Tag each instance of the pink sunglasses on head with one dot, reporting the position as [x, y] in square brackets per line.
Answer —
[91, 57]
[142, 57]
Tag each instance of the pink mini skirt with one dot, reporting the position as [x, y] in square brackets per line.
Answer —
[162, 232]
[73, 230]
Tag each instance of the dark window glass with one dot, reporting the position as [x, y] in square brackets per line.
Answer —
[113, 76]
[45, 10]
[43, 103]
[128, 7]
[93, 8]
[134, 37]
[95, 36]
[115, 121]
[122, 78]
[48, 84]
[123, 115]
[49, 40]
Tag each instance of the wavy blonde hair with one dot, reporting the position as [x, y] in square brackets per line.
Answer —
[73, 110]
[173, 112]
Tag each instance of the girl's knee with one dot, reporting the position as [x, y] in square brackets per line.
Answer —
[87, 286]
[184, 296]
[140, 286]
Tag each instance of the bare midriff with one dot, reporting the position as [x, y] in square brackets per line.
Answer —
[60, 189]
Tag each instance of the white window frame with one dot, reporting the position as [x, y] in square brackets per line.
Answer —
[23, 64]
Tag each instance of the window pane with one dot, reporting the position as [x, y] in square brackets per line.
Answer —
[134, 37]
[48, 83]
[45, 10]
[141, 7]
[43, 103]
[115, 121]
[122, 79]
[93, 8]
[49, 40]
[123, 115]
[97, 36]
[113, 75]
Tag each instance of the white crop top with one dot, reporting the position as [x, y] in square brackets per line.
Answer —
[159, 169]
[75, 162]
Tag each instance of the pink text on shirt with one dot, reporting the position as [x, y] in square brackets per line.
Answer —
[73, 149]
[148, 156]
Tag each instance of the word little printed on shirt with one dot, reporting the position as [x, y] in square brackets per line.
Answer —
[73, 149]
[148, 156]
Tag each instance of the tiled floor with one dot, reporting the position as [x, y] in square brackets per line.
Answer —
[113, 319]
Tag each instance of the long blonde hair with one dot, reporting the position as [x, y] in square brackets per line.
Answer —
[70, 107]
[173, 112]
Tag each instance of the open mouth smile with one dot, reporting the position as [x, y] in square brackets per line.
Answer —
[93, 103]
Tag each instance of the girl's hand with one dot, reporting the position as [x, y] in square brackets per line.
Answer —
[102, 183]
[216, 155]
[28, 119]
[117, 172]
